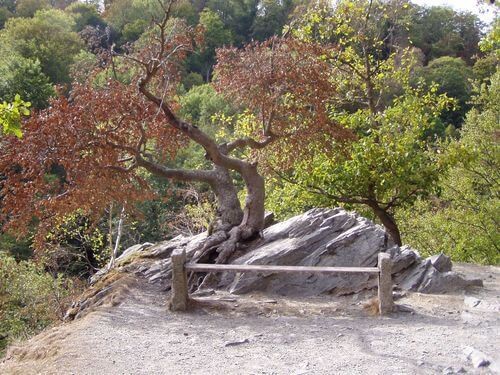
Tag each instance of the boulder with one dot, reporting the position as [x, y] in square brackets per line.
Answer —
[319, 237]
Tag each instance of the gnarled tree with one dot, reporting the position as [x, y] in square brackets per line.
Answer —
[105, 133]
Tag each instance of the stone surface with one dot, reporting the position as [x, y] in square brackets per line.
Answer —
[319, 237]
[441, 262]
[478, 358]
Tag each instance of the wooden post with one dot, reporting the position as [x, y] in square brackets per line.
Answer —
[385, 284]
[179, 300]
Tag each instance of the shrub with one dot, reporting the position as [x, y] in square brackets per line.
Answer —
[30, 298]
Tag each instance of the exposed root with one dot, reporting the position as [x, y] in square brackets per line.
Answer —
[223, 244]
[210, 244]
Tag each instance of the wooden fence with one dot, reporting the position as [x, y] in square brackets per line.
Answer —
[179, 299]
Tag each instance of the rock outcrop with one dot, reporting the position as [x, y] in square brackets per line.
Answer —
[319, 237]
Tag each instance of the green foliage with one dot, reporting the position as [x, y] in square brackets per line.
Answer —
[85, 15]
[30, 298]
[440, 31]
[463, 221]
[491, 42]
[75, 247]
[5, 14]
[452, 76]
[11, 114]
[485, 67]
[201, 103]
[364, 64]
[24, 77]
[48, 37]
[237, 16]
[271, 17]
[186, 10]
[204, 106]
[20, 249]
[130, 17]
[83, 63]
[216, 35]
[192, 79]
[28, 8]
[391, 162]
[133, 30]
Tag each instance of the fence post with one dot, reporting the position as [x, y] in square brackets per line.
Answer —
[385, 283]
[179, 299]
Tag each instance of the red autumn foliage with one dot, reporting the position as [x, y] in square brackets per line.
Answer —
[90, 136]
[284, 82]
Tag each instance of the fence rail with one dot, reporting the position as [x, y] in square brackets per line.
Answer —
[180, 297]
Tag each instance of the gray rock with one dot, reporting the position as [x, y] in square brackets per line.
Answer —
[413, 276]
[441, 262]
[402, 258]
[134, 249]
[477, 357]
[436, 282]
[319, 237]
[236, 342]
[269, 219]
[471, 301]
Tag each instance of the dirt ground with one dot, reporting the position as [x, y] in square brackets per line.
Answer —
[259, 334]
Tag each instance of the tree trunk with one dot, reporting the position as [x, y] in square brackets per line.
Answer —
[118, 239]
[229, 210]
[388, 222]
[253, 213]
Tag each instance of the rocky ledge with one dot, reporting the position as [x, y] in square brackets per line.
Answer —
[319, 237]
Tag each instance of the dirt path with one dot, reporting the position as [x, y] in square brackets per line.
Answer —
[257, 335]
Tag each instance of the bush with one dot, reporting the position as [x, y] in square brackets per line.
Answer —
[30, 299]
[463, 220]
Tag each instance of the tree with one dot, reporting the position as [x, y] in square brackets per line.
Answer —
[389, 162]
[453, 78]
[5, 14]
[215, 36]
[237, 16]
[24, 77]
[440, 31]
[47, 37]
[271, 17]
[462, 221]
[84, 15]
[130, 18]
[30, 299]
[104, 135]
[28, 8]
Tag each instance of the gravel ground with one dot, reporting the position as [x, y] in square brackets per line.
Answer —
[260, 334]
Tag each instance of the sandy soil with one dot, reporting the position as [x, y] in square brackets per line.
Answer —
[261, 334]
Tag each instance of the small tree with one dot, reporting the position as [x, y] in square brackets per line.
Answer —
[389, 162]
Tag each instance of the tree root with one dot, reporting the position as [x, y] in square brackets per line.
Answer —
[224, 244]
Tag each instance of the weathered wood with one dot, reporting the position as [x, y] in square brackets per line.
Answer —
[199, 267]
[179, 299]
[385, 300]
